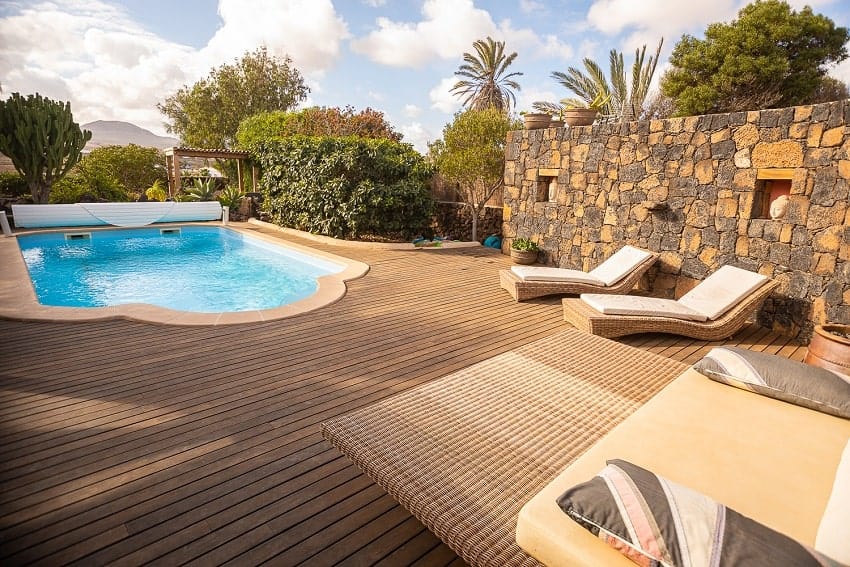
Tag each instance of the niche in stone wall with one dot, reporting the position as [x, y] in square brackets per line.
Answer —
[770, 198]
[547, 185]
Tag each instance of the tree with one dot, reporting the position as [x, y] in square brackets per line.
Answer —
[208, 113]
[315, 121]
[472, 154]
[485, 84]
[133, 167]
[828, 90]
[771, 56]
[628, 94]
[41, 138]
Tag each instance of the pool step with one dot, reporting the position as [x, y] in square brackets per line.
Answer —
[169, 232]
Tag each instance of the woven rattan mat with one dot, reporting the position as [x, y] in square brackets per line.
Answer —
[464, 453]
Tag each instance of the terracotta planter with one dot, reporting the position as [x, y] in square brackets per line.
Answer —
[830, 348]
[523, 256]
[536, 120]
[579, 116]
[556, 123]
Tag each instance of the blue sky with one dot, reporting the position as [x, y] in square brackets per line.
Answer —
[114, 60]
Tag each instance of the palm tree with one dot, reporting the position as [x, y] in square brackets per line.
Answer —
[485, 84]
[626, 101]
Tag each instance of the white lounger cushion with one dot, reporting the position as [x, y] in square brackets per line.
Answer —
[618, 266]
[544, 274]
[637, 305]
[722, 290]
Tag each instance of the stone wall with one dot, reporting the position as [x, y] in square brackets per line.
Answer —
[455, 220]
[694, 189]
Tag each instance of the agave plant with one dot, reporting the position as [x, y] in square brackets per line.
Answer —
[156, 192]
[201, 190]
[231, 196]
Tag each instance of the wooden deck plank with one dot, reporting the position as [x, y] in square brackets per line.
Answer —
[127, 443]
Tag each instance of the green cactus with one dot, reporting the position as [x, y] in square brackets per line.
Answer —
[41, 138]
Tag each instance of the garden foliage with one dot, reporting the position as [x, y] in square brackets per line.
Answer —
[315, 121]
[345, 187]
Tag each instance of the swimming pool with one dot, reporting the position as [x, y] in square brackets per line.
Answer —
[200, 269]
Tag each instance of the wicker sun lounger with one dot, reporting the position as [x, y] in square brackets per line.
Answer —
[522, 290]
[465, 452]
[584, 317]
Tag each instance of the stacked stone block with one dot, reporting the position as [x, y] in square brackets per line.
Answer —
[685, 187]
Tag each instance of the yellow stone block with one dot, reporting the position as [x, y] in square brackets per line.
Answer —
[727, 208]
[832, 137]
[720, 136]
[829, 240]
[785, 233]
[655, 138]
[578, 211]
[742, 246]
[767, 269]
[815, 132]
[819, 310]
[607, 233]
[642, 152]
[705, 171]
[798, 131]
[506, 213]
[802, 113]
[708, 255]
[670, 262]
[825, 264]
[649, 182]
[639, 213]
[844, 168]
[785, 153]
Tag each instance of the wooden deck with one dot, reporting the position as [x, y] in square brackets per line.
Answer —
[129, 443]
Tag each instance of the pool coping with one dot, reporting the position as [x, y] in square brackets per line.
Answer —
[19, 301]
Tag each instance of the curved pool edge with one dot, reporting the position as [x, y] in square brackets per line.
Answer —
[18, 299]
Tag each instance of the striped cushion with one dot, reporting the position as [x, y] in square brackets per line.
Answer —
[781, 378]
[654, 521]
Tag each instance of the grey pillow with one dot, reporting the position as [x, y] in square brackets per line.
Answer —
[654, 521]
[781, 378]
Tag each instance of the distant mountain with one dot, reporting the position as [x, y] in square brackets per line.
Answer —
[117, 133]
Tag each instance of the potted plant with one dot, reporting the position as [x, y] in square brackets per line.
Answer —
[524, 251]
[830, 348]
[576, 113]
[535, 120]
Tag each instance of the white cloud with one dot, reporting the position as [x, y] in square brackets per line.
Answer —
[375, 3]
[442, 99]
[412, 111]
[650, 20]
[447, 29]
[530, 6]
[92, 54]
[111, 68]
[376, 96]
[309, 31]
[418, 136]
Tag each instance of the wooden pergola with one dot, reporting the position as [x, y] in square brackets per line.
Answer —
[172, 164]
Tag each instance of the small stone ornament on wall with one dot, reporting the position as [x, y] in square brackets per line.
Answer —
[778, 207]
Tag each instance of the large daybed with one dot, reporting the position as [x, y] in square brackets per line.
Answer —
[466, 452]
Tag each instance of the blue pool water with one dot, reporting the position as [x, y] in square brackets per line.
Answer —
[201, 269]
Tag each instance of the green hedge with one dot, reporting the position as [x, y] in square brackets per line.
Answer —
[345, 187]
[13, 184]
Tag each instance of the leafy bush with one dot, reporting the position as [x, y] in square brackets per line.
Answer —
[315, 121]
[13, 184]
[132, 167]
[89, 187]
[345, 187]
